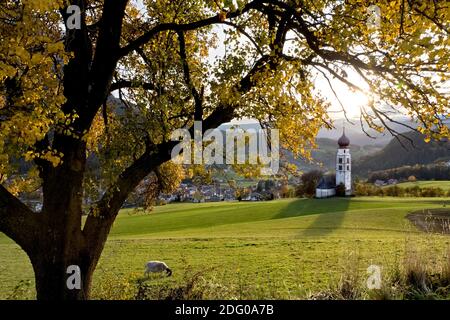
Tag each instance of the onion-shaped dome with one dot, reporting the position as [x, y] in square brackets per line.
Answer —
[343, 141]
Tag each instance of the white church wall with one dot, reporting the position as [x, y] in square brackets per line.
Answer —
[325, 193]
[343, 169]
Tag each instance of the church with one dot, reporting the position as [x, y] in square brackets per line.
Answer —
[327, 185]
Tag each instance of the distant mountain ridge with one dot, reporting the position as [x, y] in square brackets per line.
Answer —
[357, 136]
[324, 157]
[395, 155]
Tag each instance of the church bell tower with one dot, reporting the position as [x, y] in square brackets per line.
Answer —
[344, 164]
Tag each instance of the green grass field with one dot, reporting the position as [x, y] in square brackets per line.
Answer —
[279, 249]
[445, 185]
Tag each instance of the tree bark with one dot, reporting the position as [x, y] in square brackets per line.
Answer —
[51, 276]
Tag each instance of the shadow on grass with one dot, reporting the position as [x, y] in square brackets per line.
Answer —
[330, 214]
[324, 224]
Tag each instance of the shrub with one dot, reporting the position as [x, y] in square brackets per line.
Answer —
[310, 180]
[114, 287]
[394, 191]
[366, 189]
[432, 192]
[414, 191]
[340, 190]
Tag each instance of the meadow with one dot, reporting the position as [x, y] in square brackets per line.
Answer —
[445, 185]
[282, 249]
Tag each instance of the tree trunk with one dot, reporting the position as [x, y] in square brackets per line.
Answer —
[60, 249]
[52, 277]
[56, 269]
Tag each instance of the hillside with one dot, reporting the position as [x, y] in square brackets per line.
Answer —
[445, 185]
[324, 157]
[358, 137]
[395, 155]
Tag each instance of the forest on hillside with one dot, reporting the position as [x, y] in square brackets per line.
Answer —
[404, 151]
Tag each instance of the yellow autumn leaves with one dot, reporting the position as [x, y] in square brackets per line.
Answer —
[31, 59]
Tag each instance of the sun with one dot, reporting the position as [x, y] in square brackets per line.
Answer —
[351, 101]
[355, 102]
[341, 96]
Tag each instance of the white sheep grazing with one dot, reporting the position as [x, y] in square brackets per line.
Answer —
[156, 266]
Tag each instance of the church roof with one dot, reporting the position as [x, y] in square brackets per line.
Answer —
[343, 141]
[327, 182]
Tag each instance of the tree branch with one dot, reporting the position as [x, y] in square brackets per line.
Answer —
[123, 84]
[439, 24]
[17, 221]
[147, 36]
[198, 98]
[246, 34]
[105, 61]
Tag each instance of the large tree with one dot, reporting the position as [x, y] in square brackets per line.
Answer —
[57, 84]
